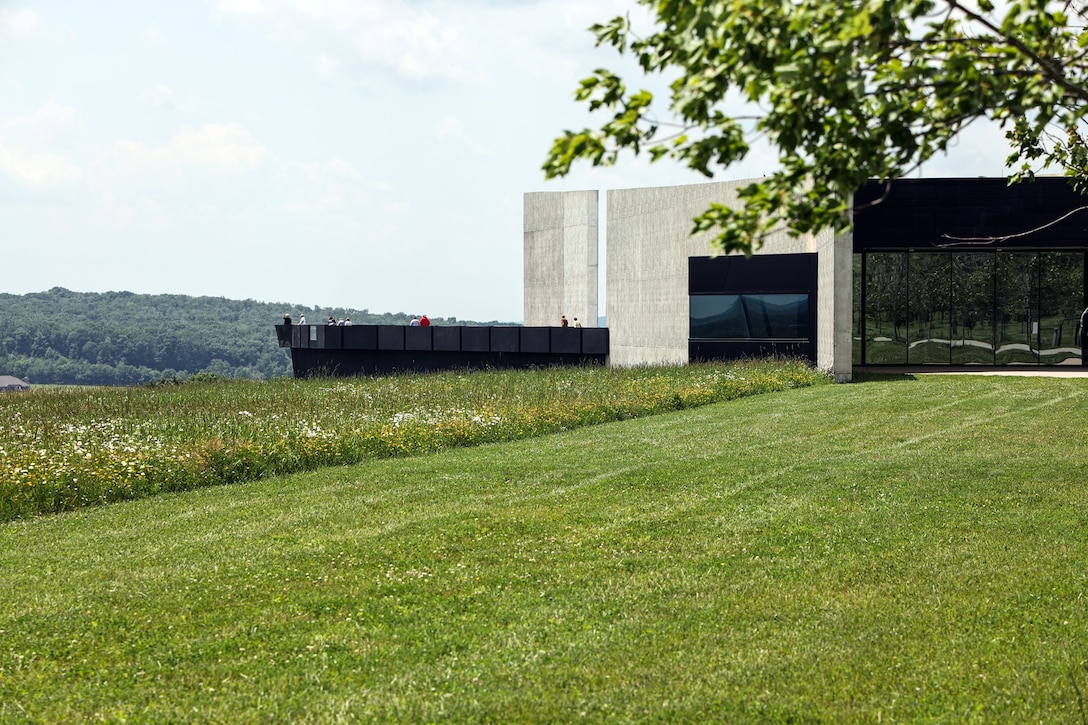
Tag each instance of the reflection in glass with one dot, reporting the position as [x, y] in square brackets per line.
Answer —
[1016, 304]
[858, 320]
[973, 308]
[929, 333]
[1061, 299]
[717, 316]
[886, 308]
[767, 316]
[777, 315]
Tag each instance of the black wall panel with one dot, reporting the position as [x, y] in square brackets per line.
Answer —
[418, 338]
[476, 339]
[330, 337]
[384, 349]
[595, 341]
[505, 339]
[565, 340]
[360, 337]
[535, 339]
[933, 213]
[391, 337]
[447, 338]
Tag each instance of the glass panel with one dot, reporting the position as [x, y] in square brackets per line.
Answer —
[970, 308]
[1061, 293]
[749, 316]
[929, 309]
[886, 308]
[717, 316]
[1017, 307]
[777, 315]
[973, 308]
[858, 324]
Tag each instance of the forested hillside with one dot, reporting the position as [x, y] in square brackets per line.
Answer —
[122, 338]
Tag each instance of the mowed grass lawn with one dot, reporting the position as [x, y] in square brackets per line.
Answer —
[894, 550]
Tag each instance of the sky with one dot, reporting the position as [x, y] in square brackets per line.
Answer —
[364, 154]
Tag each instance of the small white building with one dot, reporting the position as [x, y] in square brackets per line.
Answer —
[10, 383]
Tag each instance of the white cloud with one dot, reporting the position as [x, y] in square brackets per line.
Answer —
[249, 8]
[154, 35]
[452, 129]
[419, 47]
[404, 39]
[28, 149]
[219, 147]
[323, 187]
[327, 65]
[21, 21]
[47, 117]
[162, 96]
[38, 170]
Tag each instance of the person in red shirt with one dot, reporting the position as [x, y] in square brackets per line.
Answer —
[424, 321]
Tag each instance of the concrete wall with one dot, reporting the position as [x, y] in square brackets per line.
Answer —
[835, 343]
[560, 257]
[649, 242]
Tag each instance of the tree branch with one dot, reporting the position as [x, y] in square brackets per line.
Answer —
[1049, 67]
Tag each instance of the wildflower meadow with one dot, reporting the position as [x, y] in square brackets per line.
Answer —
[64, 448]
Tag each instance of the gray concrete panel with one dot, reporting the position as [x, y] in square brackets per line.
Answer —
[649, 242]
[836, 305]
[560, 257]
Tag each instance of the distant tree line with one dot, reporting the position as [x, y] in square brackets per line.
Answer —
[122, 338]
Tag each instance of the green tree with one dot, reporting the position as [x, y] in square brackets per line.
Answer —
[844, 91]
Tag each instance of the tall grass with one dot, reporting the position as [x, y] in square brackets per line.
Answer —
[896, 551]
[67, 448]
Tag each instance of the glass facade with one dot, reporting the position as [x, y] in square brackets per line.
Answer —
[968, 308]
[748, 316]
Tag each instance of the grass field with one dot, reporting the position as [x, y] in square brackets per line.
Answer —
[895, 550]
[69, 448]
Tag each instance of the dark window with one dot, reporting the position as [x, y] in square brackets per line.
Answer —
[989, 307]
[928, 315]
[885, 314]
[762, 316]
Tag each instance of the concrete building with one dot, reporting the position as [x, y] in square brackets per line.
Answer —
[649, 253]
[561, 257]
[935, 272]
